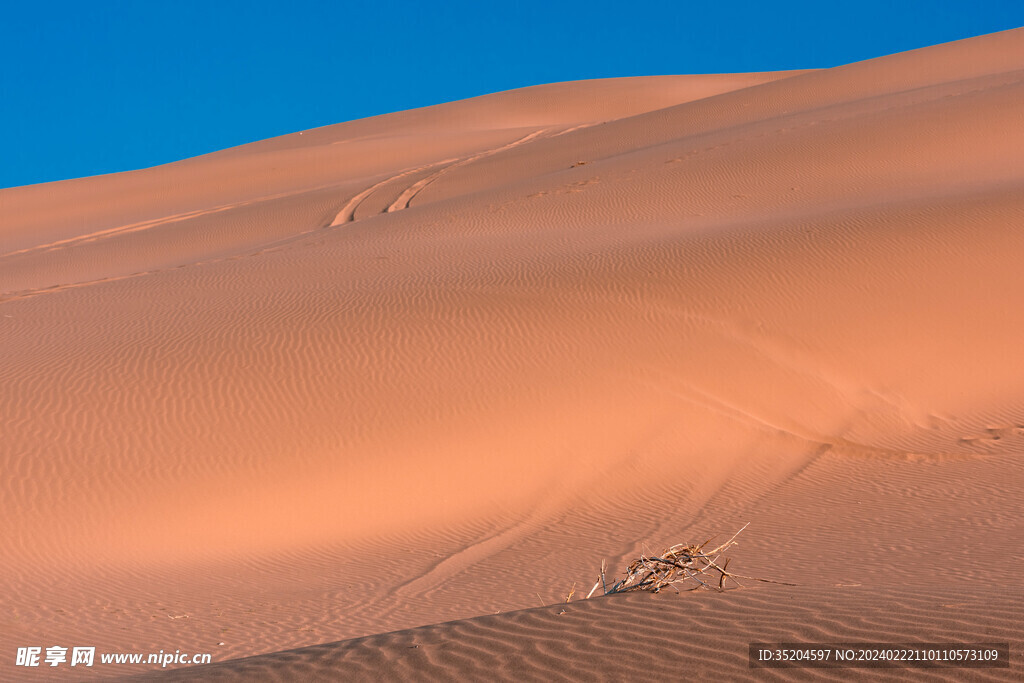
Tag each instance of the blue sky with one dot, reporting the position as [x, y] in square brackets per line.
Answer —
[99, 87]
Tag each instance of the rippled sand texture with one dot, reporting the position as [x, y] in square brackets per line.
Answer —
[439, 364]
[645, 637]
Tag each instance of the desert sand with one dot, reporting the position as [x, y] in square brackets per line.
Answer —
[404, 381]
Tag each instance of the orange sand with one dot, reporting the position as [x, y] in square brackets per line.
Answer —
[485, 338]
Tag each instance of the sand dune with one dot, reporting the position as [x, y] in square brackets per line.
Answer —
[622, 637]
[486, 336]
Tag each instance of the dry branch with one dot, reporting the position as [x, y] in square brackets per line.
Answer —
[678, 564]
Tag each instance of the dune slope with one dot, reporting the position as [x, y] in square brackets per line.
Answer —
[441, 363]
[643, 636]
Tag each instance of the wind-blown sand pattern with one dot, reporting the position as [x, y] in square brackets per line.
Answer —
[484, 336]
[644, 636]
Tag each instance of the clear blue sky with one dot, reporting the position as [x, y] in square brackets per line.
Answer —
[112, 85]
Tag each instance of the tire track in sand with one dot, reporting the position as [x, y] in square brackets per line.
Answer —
[138, 226]
[348, 212]
[406, 197]
[345, 215]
